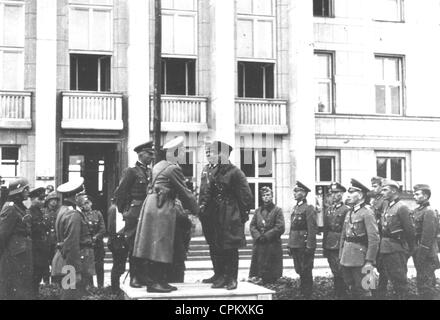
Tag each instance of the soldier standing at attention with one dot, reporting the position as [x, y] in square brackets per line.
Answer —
[207, 220]
[396, 243]
[50, 211]
[74, 247]
[96, 224]
[40, 238]
[359, 241]
[302, 238]
[16, 245]
[130, 195]
[333, 223]
[157, 223]
[426, 249]
[377, 200]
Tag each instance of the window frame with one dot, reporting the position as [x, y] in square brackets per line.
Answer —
[17, 163]
[99, 80]
[331, 80]
[256, 180]
[241, 62]
[331, 10]
[400, 9]
[336, 174]
[406, 168]
[388, 101]
[17, 49]
[164, 76]
[91, 8]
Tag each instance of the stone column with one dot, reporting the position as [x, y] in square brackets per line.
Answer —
[302, 94]
[223, 66]
[138, 56]
[45, 93]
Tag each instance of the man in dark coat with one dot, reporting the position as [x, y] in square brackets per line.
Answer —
[333, 223]
[50, 212]
[16, 245]
[157, 223]
[396, 242]
[426, 249]
[230, 198]
[206, 220]
[74, 246]
[130, 195]
[266, 229]
[377, 201]
[302, 238]
[40, 238]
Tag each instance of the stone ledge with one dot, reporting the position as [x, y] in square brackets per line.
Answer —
[202, 291]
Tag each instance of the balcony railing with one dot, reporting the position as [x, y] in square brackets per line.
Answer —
[15, 110]
[262, 116]
[92, 110]
[182, 113]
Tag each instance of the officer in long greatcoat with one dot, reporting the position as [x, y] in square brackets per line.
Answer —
[302, 238]
[230, 198]
[74, 246]
[40, 237]
[207, 221]
[50, 212]
[130, 195]
[396, 243]
[16, 245]
[425, 255]
[156, 230]
[333, 223]
[359, 241]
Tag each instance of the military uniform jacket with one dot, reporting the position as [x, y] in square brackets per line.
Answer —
[15, 252]
[156, 228]
[96, 224]
[397, 234]
[74, 242]
[230, 198]
[303, 226]
[378, 204]
[360, 237]
[132, 190]
[207, 220]
[40, 236]
[50, 217]
[425, 223]
[333, 223]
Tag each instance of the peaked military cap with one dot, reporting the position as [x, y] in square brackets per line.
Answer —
[221, 147]
[299, 186]
[377, 180]
[72, 186]
[357, 186]
[423, 187]
[148, 146]
[18, 185]
[337, 187]
[51, 196]
[37, 192]
[390, 183]
[175, 143]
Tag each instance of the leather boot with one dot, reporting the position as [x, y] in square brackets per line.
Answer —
[158, 288]
[219, 283]
[231, 285]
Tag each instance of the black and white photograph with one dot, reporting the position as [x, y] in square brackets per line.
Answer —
[219, 150]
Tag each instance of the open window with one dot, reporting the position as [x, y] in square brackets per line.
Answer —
[179, 76]
[90, 72]
[255, 80]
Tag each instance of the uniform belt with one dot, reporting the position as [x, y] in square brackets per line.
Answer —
[359, 240]
[86, 246]
[396, 235]
[299, 229]
[136, 202]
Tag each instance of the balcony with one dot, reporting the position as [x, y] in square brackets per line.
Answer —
[261, 116]
[92, 111]
[182, 113]
[15, 110]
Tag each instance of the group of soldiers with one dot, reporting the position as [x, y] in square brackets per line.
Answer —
[371, 229]
[40, 234]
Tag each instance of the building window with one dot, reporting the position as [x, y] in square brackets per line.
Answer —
[258, 166]
[389, 10]
[187, 163]
[394, 165]
[179, 27]
[323, 8]
[325, 169]
[76, 164]
[255, 80]
[255, 29]
[389, 85]
[324, 82]
[179, 76]
[90, 72]
[12, 24]
[90, 25]
[9, 162]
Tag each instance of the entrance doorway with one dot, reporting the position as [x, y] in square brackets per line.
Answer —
[98, 164]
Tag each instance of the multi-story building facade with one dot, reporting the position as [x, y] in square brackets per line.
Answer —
[311, 90]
